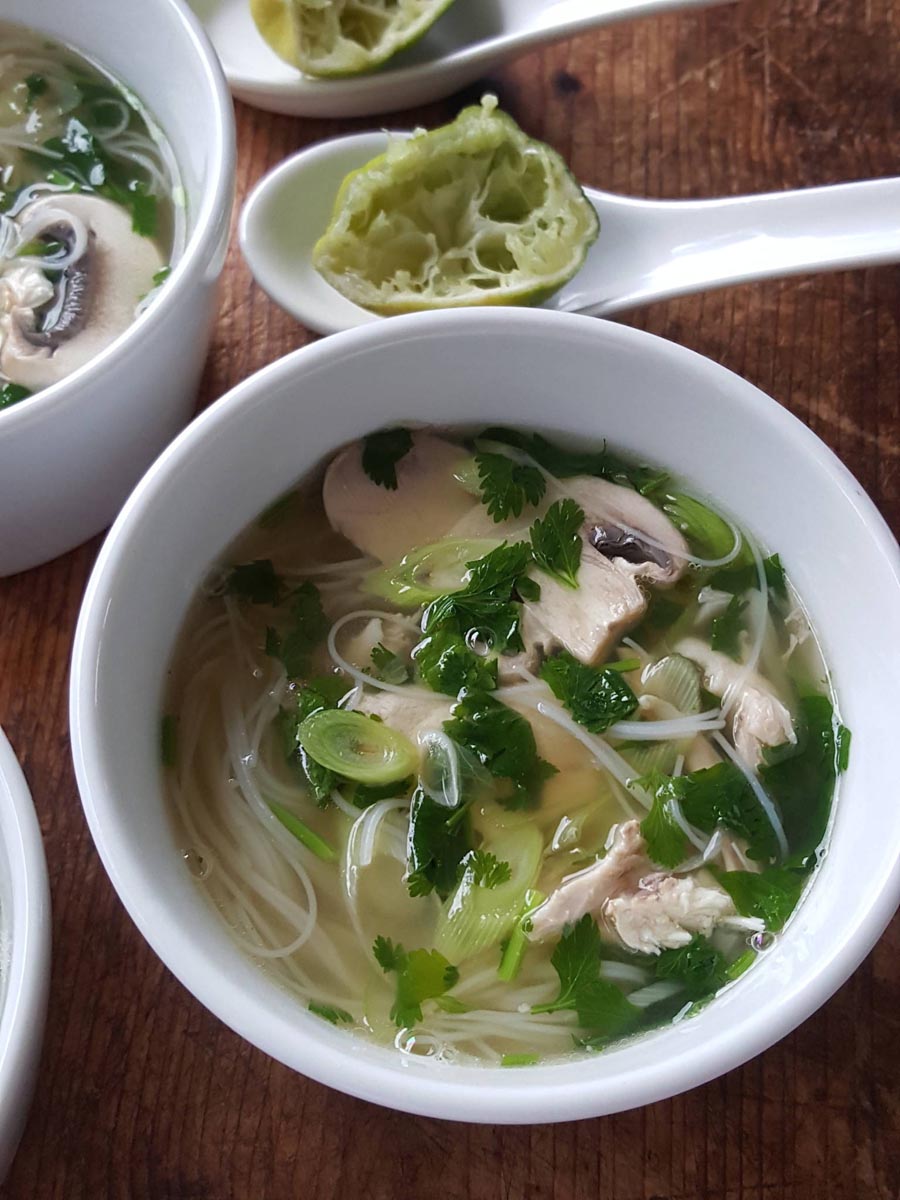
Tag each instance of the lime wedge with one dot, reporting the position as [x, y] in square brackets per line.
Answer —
[473, 213]
[343, 37]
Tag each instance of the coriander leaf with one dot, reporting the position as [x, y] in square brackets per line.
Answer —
[740, 579]
[771, 896]
[601, 1006]
[487, 870]
[564, 463]
[450, 1004]
[437, 843]
[726, 629]
[698, 965]
[800, 778]
[12, 393]
[528, 588]
[390, 666]
[36, 85]
[421, 975]
[161, 276]
[596, 697]
[503, 741]
[721, 795]
[308, 626]
[388, 956]
[321, 692]
[330, 1013]
[381, 452]
[447, 664]
[256, 582]
[485, 605]
[362, 795]
[507, 486]
[556, 541]
[659, 829]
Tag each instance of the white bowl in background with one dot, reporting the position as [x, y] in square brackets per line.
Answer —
[69, 455]
[565, 374]
[24, 951]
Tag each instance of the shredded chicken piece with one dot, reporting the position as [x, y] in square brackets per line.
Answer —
[665, 912]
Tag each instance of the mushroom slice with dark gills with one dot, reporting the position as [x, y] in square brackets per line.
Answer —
[94, 282]
[626, 542]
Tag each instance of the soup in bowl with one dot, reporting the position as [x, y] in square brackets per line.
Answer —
[421, 813]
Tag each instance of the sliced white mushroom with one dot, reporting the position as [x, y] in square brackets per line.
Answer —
[389, 522]
[409, 715]
[96, 297]
[758, 717]
[615, 519]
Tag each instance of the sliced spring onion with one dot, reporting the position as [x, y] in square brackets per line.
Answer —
[428, 572]
[353, 745]
[475, 917]
[518, 1060]
[674, 679]
[704, 529]
[511, 962]
[303, 833]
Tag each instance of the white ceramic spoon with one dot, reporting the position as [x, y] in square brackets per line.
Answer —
[470, 39]
[647, 249]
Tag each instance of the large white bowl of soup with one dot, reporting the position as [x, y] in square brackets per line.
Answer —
[116, 148]
[462, 708]
[24, 951]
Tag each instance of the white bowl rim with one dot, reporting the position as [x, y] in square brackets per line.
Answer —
[201, 245]
[23, 1009]
[491, 1090]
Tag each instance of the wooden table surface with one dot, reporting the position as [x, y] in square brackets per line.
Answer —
[142, 1094]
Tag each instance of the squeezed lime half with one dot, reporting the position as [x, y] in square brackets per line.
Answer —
[343, 37]
[473, 213]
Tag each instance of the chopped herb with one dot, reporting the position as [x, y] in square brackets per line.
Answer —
[514, 949]
[601, 1007]
[485, 605]
[518, 1060]
[740, 579]
[771, 896]
[421, 975]
[12, 393]
[257, 582]
[322, 692]
[563, 463]
[308, 626]
[438, 841]
[507, 486]
[556, 541]
[662, 833]
[302, 832]
[698, 965]
[661, 614]
[36, 85]
[161, 276]
[800, 778]
[486, 869]
[596, 697]
[726, 629]
[503, 741]
[168, 740]
[719, 795]
[390, 666]
[450, 1004]
[447, 664]
[362, 795]
[39, 248]
[742, 963]
[528, 588]
[328, 1012]
[381, 452]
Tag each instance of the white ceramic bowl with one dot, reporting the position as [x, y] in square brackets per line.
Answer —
[526, 368]
[24, 951]
[70, 455]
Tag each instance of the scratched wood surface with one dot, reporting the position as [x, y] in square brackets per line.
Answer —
[142, 1094]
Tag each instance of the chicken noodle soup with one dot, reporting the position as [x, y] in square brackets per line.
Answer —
[497, 749]
[89, 223]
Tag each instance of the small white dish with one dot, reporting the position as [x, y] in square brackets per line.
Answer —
[468, 41]
[647, 249]
[70, 454]
[561, 374]
[24, 951]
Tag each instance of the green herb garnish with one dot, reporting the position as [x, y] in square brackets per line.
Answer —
[726, 629]
[421, 975]
[447, 664]
[556, 541]
[507, 486]
[437, 843]
[486, 604]
[307, 627]
[596, 697]
[256, 582]
[601, 1007]
[771, 896]
[381, 452]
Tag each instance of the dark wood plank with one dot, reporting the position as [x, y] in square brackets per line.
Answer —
[143, 1096]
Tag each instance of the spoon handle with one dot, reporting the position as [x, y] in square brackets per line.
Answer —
[651, 250]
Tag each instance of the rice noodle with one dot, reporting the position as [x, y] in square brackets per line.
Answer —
[382, 685]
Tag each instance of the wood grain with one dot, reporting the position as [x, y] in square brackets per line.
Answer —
[143, 1095]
